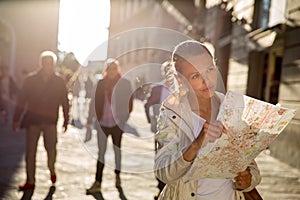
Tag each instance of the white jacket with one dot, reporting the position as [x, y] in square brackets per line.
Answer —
[175, 134]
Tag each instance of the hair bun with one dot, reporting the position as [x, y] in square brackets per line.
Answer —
[170, 75]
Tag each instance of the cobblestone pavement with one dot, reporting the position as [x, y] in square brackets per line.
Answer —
[279, 180]
[76, 165]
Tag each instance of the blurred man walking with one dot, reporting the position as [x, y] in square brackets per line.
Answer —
[40, 97]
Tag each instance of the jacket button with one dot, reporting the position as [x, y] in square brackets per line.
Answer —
[174, 117]
[162, 109]
[192, 194]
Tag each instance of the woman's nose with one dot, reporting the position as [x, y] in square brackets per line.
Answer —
[204, 77]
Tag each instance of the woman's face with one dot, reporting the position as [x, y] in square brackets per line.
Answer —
[201, 73]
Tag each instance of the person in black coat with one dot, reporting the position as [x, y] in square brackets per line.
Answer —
[112, 106]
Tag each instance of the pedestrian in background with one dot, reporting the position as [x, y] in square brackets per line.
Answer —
[42, 94]
[113, 104]
[91, 121]
[152, 106]
[89, 88]
[153, 101]
[88, 85]
[180, 141]
[8, 95]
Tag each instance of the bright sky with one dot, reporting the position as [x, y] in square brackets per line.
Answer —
[83, 27]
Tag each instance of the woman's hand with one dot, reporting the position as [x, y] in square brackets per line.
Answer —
[209, 133]
[243, 179]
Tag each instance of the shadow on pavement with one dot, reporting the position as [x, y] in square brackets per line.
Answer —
[129, 129]
[97, 195]
[12, 148]
[121, 193]
[50, 193]
[27, 194]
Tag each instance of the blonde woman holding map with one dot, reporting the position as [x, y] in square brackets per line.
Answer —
[187, 124]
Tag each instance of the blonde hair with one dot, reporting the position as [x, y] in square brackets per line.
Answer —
[186, 49]
[108, 63]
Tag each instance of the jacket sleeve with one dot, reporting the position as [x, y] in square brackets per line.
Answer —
[22, 100]
[129, 90]
[99, 99]
[13, 88]
[256, 178]
[65, 102]
[169, 163]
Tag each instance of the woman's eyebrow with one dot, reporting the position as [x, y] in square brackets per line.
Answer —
[205, 68]
[193, 73]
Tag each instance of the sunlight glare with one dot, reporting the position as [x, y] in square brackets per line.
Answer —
[83, 25]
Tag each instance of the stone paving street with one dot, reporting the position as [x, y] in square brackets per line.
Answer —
[76, 167]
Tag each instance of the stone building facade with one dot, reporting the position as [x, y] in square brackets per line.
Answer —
[27, 28]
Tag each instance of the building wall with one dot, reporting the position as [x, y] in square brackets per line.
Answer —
[259, 80]
[292, 13]
[287, 146]
[238, 62]
[7, 40]
[130, 47]
[277, 12]
[218, 29]
[32, 27]
[286, 45]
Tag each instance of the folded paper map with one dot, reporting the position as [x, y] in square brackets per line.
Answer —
[251, 126]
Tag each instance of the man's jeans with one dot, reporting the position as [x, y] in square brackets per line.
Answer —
[33, 133]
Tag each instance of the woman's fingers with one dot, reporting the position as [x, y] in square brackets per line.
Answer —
[243, 180]
[210, 132]
[213, 129]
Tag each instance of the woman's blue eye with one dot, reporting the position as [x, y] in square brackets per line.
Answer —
[196, 76]
[210, 69]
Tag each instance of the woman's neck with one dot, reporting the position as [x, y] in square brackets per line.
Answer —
[205, 108]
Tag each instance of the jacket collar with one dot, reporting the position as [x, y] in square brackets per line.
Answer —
[181, 107]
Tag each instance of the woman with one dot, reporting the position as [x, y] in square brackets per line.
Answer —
[113, 104]
[179, 142]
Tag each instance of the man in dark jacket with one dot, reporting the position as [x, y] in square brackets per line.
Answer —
[42, 94]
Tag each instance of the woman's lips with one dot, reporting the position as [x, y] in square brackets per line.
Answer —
[207, 89]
